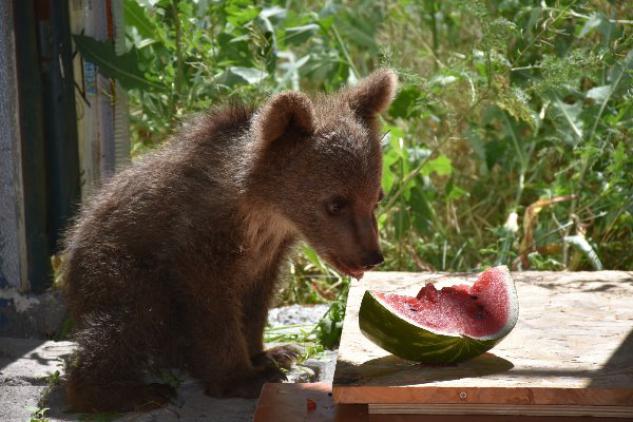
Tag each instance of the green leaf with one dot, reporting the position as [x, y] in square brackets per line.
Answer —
[443, 80]
[422, 212]
[359, 27]
[330, 327]
[455, 193]
[362, 38]
[239, 15]
[396, 142]
[300, 34]
[311, 255]
[134, 15]
[273, 12]
[234, 50]
[402, 222]
[441, 166]
[476, 142]
[621, 75]
[494, 150]
[570, 113]
[592, 23]
[123, 68]
[617, 165]
[390, 156]
[599, 93]
[405, 103]
[387, 178]
[393, 132]
[236, 75]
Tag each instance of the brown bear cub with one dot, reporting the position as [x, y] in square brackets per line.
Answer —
[174, 262]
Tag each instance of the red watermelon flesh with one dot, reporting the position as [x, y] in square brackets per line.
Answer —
[480, 311]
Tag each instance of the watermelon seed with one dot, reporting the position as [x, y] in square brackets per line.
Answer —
[473, 297]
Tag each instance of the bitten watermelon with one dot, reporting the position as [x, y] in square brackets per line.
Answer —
[444, 326]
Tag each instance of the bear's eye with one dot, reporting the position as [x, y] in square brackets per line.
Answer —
[336, 206]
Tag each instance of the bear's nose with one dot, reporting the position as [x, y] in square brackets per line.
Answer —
[372, 259]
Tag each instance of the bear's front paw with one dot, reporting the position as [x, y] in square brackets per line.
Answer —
[279, 357]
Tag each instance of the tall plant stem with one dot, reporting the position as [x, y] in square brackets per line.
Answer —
[586, 161]
[341, 44]
[175, 97]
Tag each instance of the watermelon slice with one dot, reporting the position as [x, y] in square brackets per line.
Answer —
[444, 326]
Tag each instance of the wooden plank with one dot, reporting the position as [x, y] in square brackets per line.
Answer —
[483, 418]
[85, 74]
[121, 122]
[103, 124]
[279, 402]
[502, 409]
[573, 345]
[287, 403]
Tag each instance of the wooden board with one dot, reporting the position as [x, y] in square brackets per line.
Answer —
[573, 345]
[445, 409]
[278, 402]
[287, 403]
[480, 418]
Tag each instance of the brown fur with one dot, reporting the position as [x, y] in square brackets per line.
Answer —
[174, 262]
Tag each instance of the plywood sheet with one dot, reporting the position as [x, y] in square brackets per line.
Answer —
[573, 345]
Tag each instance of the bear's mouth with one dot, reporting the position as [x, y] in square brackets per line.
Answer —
[351, 271]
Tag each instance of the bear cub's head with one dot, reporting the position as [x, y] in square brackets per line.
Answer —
[318, 162]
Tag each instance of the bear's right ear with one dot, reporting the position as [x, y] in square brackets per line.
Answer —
[373, 95]
[286, 113]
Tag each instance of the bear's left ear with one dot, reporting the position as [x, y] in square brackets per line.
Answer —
[374, 94]
[288, 113]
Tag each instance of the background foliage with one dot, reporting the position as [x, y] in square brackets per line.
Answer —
[510, 140]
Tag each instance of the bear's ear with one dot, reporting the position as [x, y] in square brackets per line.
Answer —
[374, 94]
[285, 113]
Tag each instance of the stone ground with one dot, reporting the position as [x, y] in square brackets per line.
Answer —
[29, 369]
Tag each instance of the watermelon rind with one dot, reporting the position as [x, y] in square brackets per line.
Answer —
[513, 301]
[408, 340]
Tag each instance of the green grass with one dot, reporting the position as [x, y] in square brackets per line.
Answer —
[39, 414]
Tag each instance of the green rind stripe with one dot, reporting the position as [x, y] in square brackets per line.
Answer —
[411, 342]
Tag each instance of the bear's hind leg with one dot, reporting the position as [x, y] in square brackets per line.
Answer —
[107, 372]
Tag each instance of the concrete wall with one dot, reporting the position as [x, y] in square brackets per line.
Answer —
[13, 266]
